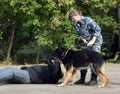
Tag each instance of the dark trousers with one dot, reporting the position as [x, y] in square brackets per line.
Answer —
[83, 74]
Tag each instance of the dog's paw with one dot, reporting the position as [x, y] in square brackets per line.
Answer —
[70, 84]
[61, 85]
[102, 86]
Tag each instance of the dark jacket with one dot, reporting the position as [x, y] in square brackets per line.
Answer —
[50, 73]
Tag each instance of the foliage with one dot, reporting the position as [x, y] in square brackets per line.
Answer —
[46, 21]
[21, 13]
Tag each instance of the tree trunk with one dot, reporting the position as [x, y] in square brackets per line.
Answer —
[37, 58]
[11, 42]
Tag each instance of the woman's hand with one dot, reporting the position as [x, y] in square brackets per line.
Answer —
[84, 40]
[91, 42]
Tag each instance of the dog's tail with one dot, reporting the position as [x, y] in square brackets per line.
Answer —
[106, 57]
[114, 57]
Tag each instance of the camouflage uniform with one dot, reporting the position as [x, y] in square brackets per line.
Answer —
[88, 28]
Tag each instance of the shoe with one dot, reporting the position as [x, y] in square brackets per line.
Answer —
[91, 83]
[80, 81]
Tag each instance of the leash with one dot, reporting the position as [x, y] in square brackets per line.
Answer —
[65, 53]
[77, 45]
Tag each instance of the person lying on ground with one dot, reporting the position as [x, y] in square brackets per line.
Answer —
[39, 74]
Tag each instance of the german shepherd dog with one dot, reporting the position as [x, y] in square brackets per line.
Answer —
[74, 60]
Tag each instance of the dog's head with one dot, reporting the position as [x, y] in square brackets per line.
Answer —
[59, 51]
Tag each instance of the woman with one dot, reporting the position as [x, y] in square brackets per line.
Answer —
[90, 33]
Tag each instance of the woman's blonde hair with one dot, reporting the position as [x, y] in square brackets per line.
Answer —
[74, 12]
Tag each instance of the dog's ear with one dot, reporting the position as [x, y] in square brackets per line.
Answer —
[60, 45]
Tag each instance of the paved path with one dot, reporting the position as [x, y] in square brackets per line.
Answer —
[112, 70]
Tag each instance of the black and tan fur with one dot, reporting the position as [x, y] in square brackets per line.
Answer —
[74, 60]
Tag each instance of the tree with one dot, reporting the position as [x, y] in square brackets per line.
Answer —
[18, 22]
[25, 21]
